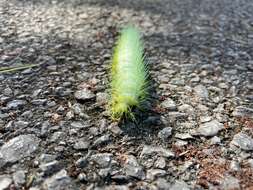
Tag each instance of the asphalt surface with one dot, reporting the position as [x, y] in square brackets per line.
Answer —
[194, 132]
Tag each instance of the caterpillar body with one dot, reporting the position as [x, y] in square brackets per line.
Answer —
[128, 74]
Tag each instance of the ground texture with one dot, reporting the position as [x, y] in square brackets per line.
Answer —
[196, 131]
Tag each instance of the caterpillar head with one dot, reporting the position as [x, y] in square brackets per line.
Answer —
[121, 108]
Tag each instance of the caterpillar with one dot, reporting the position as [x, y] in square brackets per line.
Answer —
[129, 74]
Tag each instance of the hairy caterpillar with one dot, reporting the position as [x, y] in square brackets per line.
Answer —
[128, 74]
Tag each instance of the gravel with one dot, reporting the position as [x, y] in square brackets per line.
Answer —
[234, 166]
[49, 168]
[5, 181]
[19, 178]
[230, 182]
[169, 104]
[18, 148]
[133, 168]
[210, 128]
[103, 160]
[183, 136]
[81, 144]
[250, 161]
[102, 98]
[242, 141]
[191, 133]
[78, 125]
[81, 162]
[150, 150]
[59, 181]
[165, 133]
[160, 163]
[215, 140]
[101, 140]
[179, 185]
[14, 104]
[154, 173]
[201, 91]
[241, 111]
[84, 94]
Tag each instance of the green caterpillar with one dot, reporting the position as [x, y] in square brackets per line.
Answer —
[128, 74]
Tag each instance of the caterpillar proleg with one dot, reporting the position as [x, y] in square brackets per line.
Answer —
[128, 74]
